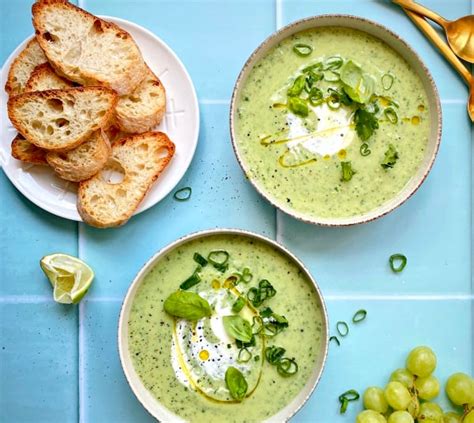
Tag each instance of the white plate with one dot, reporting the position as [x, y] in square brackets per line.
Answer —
[181, 123]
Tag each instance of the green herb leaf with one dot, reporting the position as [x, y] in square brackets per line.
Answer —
[200, 259]
[366, 123]
[298, 106]
[347, 171]
[187, 305]
[311, 79]
[194, 279]
[236, 383]
[357, 84]
[238, 305]
[238, 328]
[274, 354]
[391, 157]
[297, 88]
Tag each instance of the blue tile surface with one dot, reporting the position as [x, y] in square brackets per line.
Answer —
[64, 361]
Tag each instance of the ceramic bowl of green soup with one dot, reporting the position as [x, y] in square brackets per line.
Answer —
[223, 326]
[335, 120]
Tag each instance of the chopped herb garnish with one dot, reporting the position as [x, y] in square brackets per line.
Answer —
[273, 323]
[302, 50]
[258, 295]
[359, 316]
[298, 86]
[244, 355]
[183, 194]
[391, 115]
[366, 123]
[391, 157]
[238, 305]
[315, 96]
[365, 150]
[245, 277]
[387, 81]
[194, 279]
[347, 171]
[219, 259]
[200, 259]
[397, 262]
[311, 79]
[342, 328]
[298, 106]
[335, 339]
[285, 366]
[346, 397]
[274, 354]
[333, 63]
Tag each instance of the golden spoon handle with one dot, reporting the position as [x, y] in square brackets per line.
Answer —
[431, 33]
[421, 10]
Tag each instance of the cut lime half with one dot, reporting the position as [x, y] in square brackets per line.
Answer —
[69, 276]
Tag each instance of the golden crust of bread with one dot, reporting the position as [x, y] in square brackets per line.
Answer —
[26, 152]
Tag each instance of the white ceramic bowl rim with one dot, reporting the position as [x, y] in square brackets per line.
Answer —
[144, 396]
[402, 48]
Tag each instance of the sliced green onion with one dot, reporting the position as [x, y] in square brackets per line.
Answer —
[219, 259]
[244, 355]
[331, 76]
[257, 325]
[258, 295]
[387, 81]
[391, 115]
[194, 279]
[315, 96]
[274, 354]
[298, 86]
[311, 79]
[314, 67]
[365, 150]
[287, 367]
[359, 316]
[399, 259]
[200, 259]
[183, 194]
[342, 328]
[335, 339]
[333, 63]
[298, 106]
[256, 358]
[346, 397]
[347, 171]
[238, 305]
[302, 50]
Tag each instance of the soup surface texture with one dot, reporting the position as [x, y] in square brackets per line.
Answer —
[183, 363]
[331, 123]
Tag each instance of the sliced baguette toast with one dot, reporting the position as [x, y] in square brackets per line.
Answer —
[44, 78]
[144, 108]
[61, 120]
[141, 158]
[26, 152]
[87, 49]
[82, 162]
[22, 67]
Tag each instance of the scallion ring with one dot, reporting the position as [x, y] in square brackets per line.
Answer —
[399, 259]
[200, 259]
[219, 259]
[331, 76]
[194, 279]
[246, 276]
[238, 305]
[342, 328]
[335, 339]
[364, 149]
[315, 96]
[244, 355]
[274, 354]
[391, 115]
[346, 397]
[314, 67]
[302, 50]
[287, 367]
[257, 325]
[359, 316]
[333, 63]
[387, 81]
[183, 194]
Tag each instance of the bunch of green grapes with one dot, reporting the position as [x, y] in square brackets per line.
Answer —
[408, 396]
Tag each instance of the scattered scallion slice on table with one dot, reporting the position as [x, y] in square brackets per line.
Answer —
[397, 262]
[342, 328]
[346, 397]
[183, 194]
[359, 316]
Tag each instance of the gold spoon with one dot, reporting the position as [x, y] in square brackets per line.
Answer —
[431, 33]
[460, 33]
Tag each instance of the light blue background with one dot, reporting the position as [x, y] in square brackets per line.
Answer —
[60, 364]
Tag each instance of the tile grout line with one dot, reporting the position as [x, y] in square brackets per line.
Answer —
[80, 340]
[278, 14]
[409, 297]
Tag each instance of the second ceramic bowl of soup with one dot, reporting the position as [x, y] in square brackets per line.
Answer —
[335, 120]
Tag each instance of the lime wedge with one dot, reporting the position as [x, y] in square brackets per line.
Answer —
[69, 276]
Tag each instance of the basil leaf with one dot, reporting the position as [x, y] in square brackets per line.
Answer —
[358, 85]
[297, 86]
[298, 106]
[236, 383]
[391, 157]
[366, 123]
[187, 305]
[347, 171]
[237, 328]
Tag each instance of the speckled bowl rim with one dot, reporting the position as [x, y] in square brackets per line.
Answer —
[125, 359]
[402, 196]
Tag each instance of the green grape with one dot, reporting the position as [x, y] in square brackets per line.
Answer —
[451, 418]
[469, 417]
[414, 406]
[421, 361]
[430, 412]
[370, 416]
[403, 376]
[374, 399]
[460, 389]
[397, 396]
[400, 417]
[427, 387]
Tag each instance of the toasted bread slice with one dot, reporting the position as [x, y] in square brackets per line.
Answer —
[60, 120]
[44, 78]
[87, 49]
[82, 162]
[141, 158]
[22, 67]
[26, 152]
[144, 108]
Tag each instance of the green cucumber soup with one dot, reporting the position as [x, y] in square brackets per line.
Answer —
[331, 123]
[226, 328]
